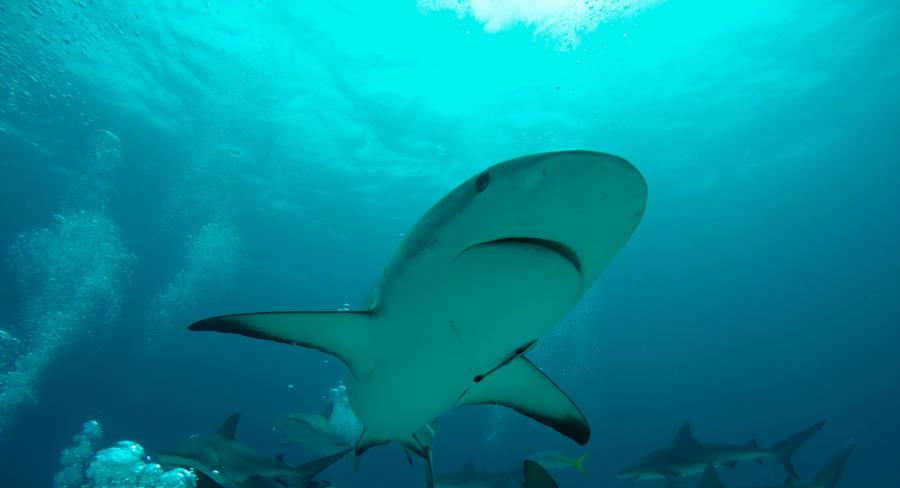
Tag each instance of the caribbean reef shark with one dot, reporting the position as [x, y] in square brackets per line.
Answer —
[688, 456]
[223, 460]
[473, 285]
[827, 477]
[536, 476]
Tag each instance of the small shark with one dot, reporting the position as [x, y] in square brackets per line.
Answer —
[220, 458]
[470, 477]
[537, 477]
[472, 287]
[827, 477]
[688, 456]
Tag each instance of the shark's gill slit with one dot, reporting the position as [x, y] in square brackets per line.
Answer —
[556, 247]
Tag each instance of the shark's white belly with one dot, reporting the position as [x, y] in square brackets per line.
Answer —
[460, 317]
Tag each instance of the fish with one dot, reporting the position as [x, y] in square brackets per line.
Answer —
[687, 455]
[473, 285]
[557, 460]
[223, 460]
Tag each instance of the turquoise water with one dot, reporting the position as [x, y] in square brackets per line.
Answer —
[161, 162]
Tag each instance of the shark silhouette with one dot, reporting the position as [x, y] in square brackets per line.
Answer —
[473, 285]
[688, 456]
[221, 459]
[827, 477]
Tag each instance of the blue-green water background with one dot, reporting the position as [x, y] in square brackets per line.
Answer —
[760, 294]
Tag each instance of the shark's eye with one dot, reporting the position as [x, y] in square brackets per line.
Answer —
[482, 182]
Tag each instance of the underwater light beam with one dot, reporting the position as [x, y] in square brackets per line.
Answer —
[562, 20]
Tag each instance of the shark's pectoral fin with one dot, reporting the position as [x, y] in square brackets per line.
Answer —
[520, 385]
[211, 480]
[344, 335]
[710, 478]
[311, 469]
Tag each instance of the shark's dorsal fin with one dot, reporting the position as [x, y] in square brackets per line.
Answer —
[710, 478]
[521, 386]
[344, 335]
[684, 435]
[229, 427]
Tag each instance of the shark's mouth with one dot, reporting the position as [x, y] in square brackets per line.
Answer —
[555, 247]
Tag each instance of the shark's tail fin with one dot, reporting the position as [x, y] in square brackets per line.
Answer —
[830, 474]
[786, 448]
[578, 464]
[311, 469]
[710, 478]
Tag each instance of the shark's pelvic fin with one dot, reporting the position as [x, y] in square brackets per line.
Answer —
[408, 456]
[521, 386]
[684, 435]
[229, 427]
[420, 443]
[341, 334]
[366, 442]
[536, 476]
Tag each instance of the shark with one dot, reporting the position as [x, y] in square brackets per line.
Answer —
[219, 458]
[470, 477]
[536, 476]
[827, 477]
[687, 455]
[315, 431]
[473, 285]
